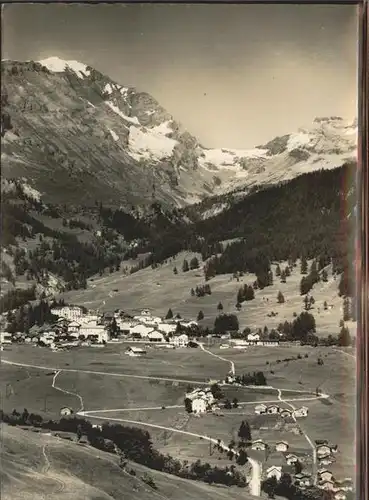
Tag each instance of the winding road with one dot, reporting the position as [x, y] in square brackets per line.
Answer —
[255, 482]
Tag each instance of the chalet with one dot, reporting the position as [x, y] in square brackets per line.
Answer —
[199, 405]
[291, 459]
[301, 412]
[281, 446]
[188, 324]
[325, 475]
[74, 327]
[258, 445]
[202, 400]
[141, 330]
[303, 479]
[326, 460]
[65, 411]
[285, 413]
[326, 485]
[180, 340]
[136, 352]
[97, 332]
[253, 338]
[156, 337]
[323, 450]
[340, 495]
[167, 328]
[272, 409]
[259, 409]
[274, 471]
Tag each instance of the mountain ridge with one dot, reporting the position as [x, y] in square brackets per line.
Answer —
[66, 122]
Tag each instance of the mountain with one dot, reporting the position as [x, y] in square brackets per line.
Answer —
[75, 136]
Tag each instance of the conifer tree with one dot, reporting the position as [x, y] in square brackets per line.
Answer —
[304, 265]
[200, 316]
[280, 298]
[169, 314]
[185, 266]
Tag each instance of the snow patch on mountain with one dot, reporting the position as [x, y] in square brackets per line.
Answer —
[297, 140]
[57, 65]
[116, 110]
[108, 88]
[114, 135]
[151, 143]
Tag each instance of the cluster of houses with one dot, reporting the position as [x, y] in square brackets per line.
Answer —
[201, 400]
[77, 326]
[273, 409]
[325, 478]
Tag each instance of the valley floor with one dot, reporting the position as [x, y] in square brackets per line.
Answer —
[148, 393]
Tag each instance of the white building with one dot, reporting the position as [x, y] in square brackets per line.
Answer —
[5, 338]
[272, 409]
[253, 337]
[167, 328]
[136, 352]
[258, 444]
[291, 459]
[199, 405]
[89, 318]
[65, 411]
[74, 327]
[274, 471]
[141, 330]
[323, 450]
[94, 331]
[180, 340]
[325, 475]
[303, 479]
[188, 324]
[281, 446]
[326, 485]
[259, 409]
[202, 400]
[156, 337]
[71, 313]
[301, 412]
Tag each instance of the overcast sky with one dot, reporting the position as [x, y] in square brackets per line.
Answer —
[234, 75]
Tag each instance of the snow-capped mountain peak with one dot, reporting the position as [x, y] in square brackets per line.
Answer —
[57, 65]
[91, 121]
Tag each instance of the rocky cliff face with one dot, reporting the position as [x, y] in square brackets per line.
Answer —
[78, 137]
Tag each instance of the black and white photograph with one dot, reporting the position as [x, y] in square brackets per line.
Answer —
[178, 308]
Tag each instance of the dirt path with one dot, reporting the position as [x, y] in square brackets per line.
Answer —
[67, 392]
[46, 471]
[311, 444]
[232, 370]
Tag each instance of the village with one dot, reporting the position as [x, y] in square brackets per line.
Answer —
[76, 326]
